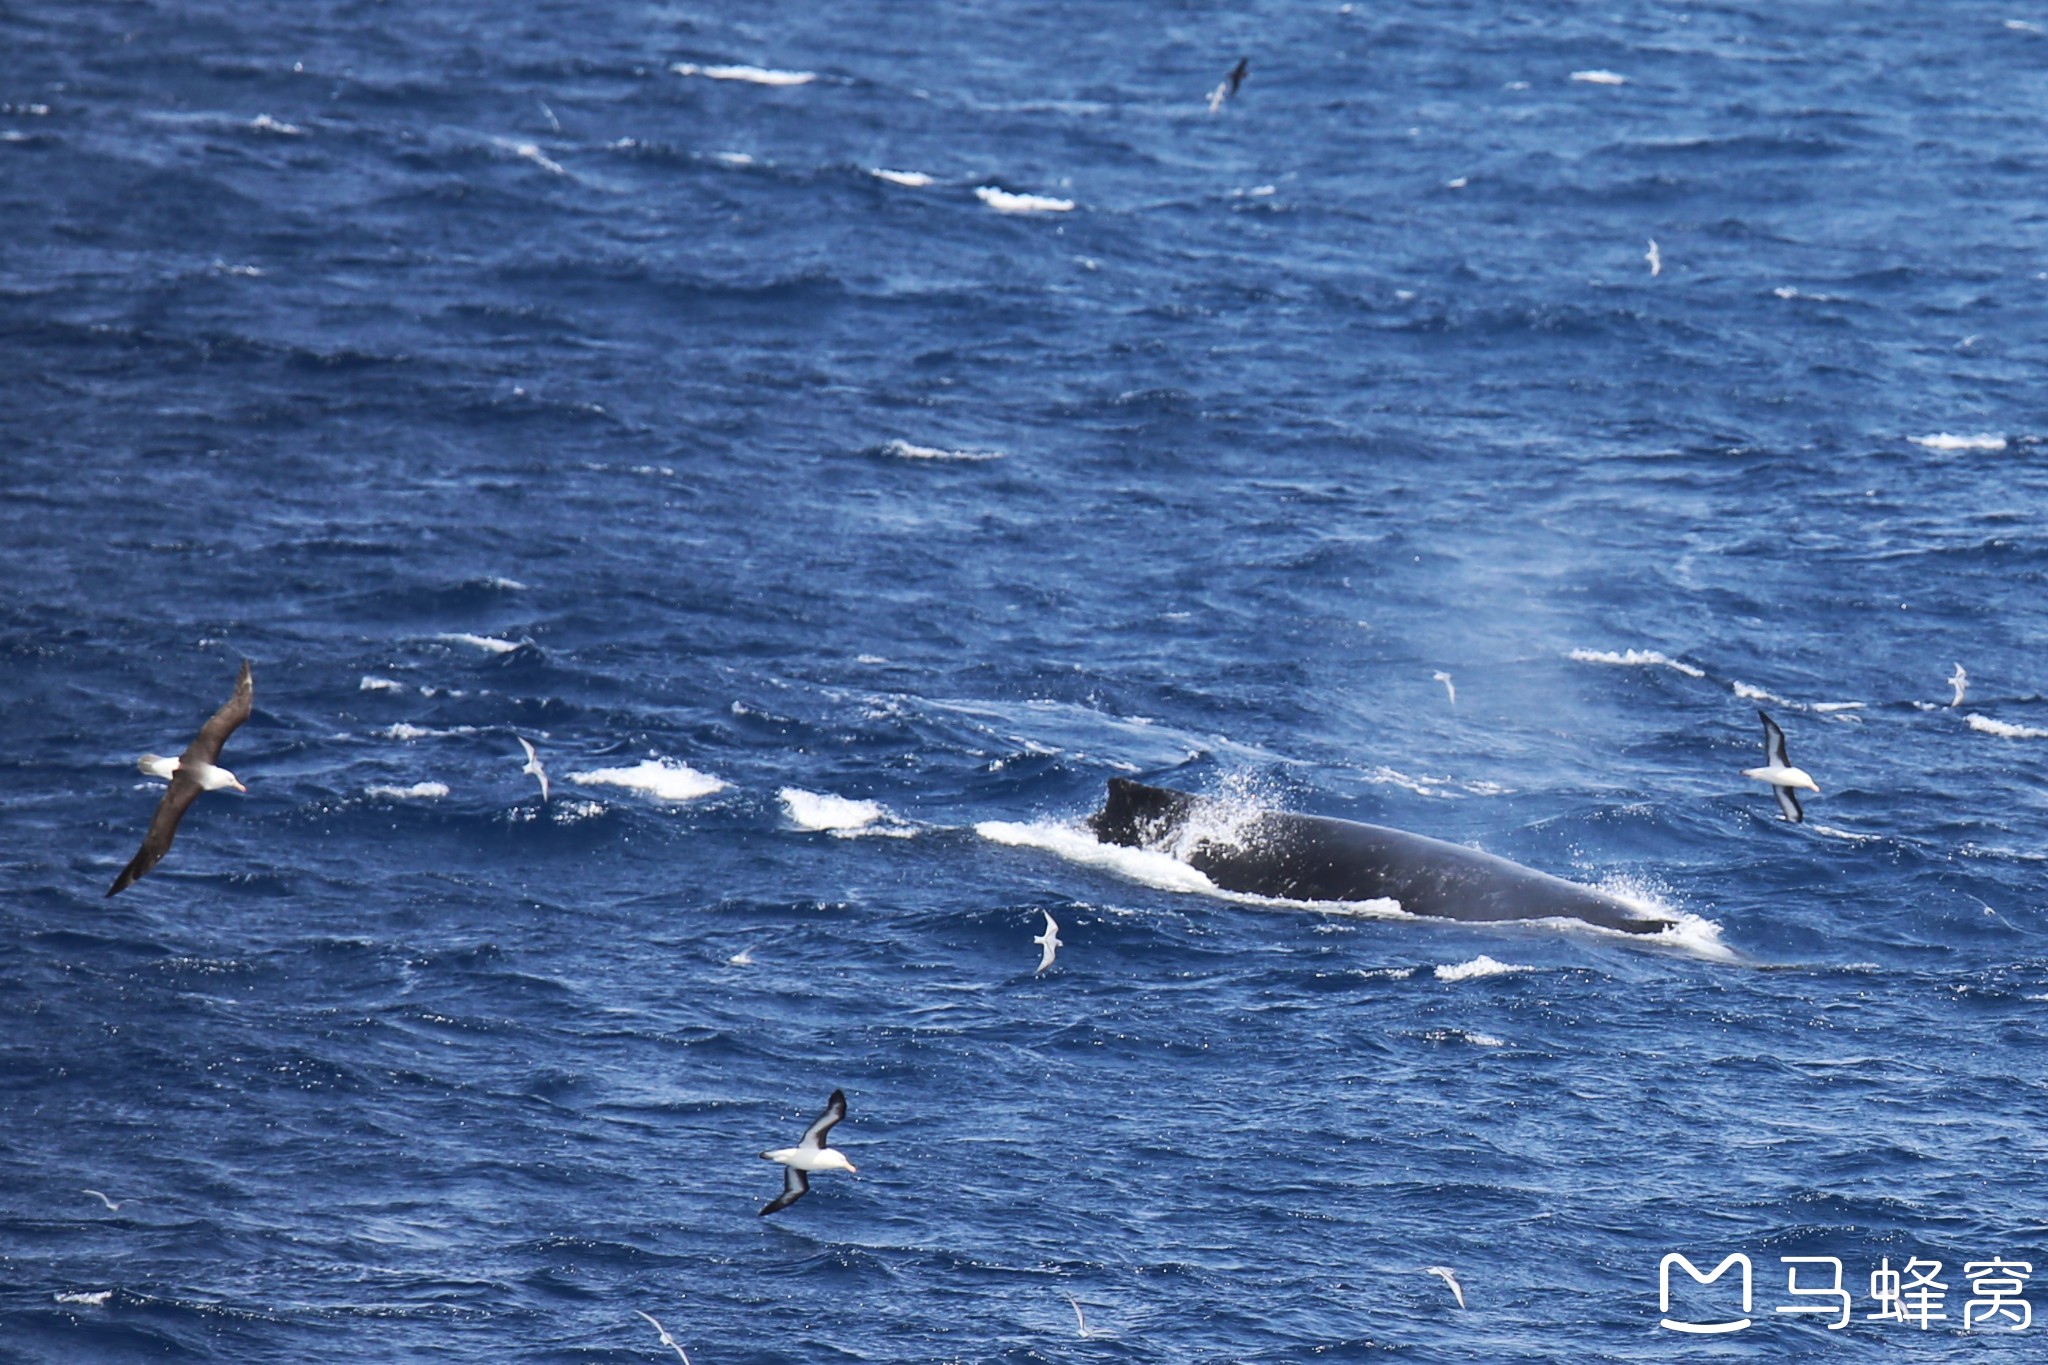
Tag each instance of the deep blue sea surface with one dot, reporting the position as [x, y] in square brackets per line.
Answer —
[570, 371]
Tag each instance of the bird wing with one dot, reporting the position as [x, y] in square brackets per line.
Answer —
[1788, 802]
[1774, 743]
[814, 1136]
[206, 747]
[163, 827]
[795, 1185]
[531, 756]
[1237, 73]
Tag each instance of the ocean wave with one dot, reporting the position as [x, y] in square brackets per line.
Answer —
[1600, 77]
[1942, 440]
[1478, 967]
[486, 643]
[1003, 201]
[753, 75]
[1748, 693]
[665, 779]
[418, 791]
[915, 180]
[839, 815]
[372, 683]
[404, 730]
[1635, 657]
[904, 450]
[2003, 729]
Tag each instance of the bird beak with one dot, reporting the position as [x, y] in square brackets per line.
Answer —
[853, 1168]
[242, 789]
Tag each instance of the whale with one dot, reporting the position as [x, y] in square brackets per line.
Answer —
[1286, 856]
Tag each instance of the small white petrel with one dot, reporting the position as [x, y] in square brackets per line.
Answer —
[1049, 940]
[809, 1154]
[533, 766]
[1443, 1272]
[189, 774]
[1779, 772]
[1960, 681]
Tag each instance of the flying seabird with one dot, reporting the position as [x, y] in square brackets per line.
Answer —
[1655, 258]
[1443, 1272]
[112, 1207]
[809, 1154]
[666, 1339]
[1230, 84]
[1049, 940]
[1960, 681]
[1449, 686]
[189, 774]
[1779, 772]
[533, 766]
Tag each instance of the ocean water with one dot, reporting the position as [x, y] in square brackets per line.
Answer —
[574, 372]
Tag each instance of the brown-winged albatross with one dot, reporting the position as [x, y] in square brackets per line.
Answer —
[189, 774]
[809, 1154]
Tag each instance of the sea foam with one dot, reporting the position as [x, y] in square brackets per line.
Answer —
[662, 778]
[755, 75]
[1634, 657]
[2003, 729]
[1002, 201]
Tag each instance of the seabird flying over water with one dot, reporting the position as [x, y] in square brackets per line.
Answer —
[1049, 940]
[1960, 681]
[1655, 258]
[1449, 687]
[1230, 84]
[809, 1154]
[112, 1207]
[1443, 1272]
[533, 766]
[1779, 772]
[189, 774]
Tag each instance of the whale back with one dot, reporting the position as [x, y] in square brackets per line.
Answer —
[1317, 858]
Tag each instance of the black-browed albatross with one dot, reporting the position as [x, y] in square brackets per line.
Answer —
[809, 1154]
[191, 773]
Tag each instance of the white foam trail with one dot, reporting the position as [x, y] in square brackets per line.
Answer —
[1748, 693]
[2003, 729]
[1942, 440]
[505, 584]
[1432, 786]
[97, 1299]
[1848, 835]
[915, 180]
[826, 813]
[372, 683]
[418, 791]
[402, 730]
[755, 75]
[906, 451]
[483, 642]
[1484, 1040]
[662, 778]
[1478, 967]
[1600, 77]
[736, 158]
[1830, 706]
[1002, 201]
[1634, 657]
[1141, 865]
[264, 123]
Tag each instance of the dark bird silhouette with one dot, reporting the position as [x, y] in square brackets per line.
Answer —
[190, 773]
[1230, 84]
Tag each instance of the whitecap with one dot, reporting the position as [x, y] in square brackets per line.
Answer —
[96, 1299]
[531, 152]
[662, 778]
[1002, 201]
[1748, 693]
[1833, 706]
[735, 158]
[1848, 836]
[1385, 973]
[404, 731]
[505, 584]
[373, 683]
[822, 811]
[915, 180]
[2003, 729]
[1635, 657]
[1477, 967]
[418, 791]
[1600, 77]
[755, 75]
[906, 451]
[264, 123]
[1942, 440]
[483, 642]
[1142, 865]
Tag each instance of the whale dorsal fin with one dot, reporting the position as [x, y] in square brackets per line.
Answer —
[1134, 813]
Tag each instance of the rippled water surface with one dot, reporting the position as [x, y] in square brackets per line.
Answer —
[572, 372]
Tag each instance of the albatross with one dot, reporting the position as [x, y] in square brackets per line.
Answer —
[1779, 772]
[809, 1154]
[189, 774]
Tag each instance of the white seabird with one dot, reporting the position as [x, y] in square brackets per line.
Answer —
[1449, 686]
[189, 774]
[1960, 681]
[1049, 940]
[666, 1339]
[809, 1154]
[1779, 772]
[533, 766]
[1443, 1272]
[112, 1207]
[1655, 258]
